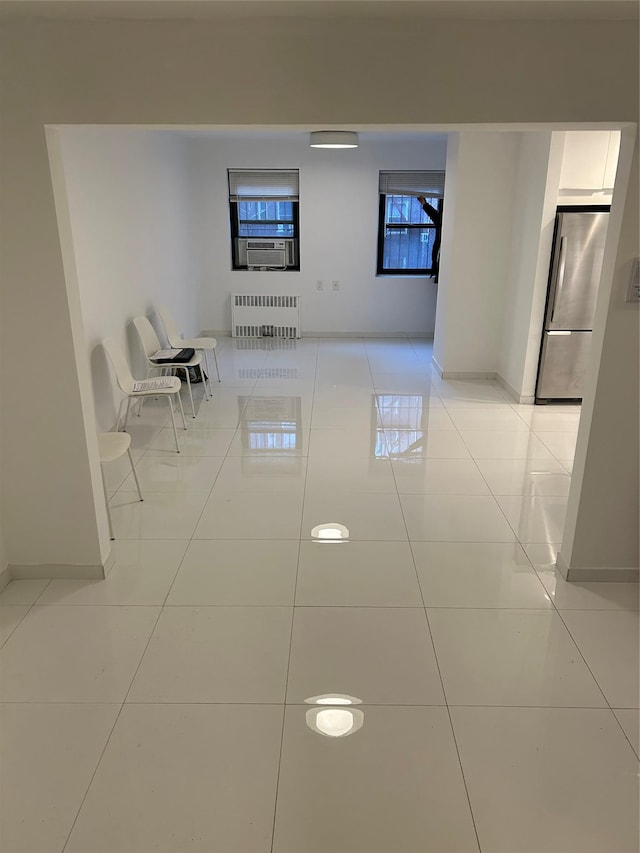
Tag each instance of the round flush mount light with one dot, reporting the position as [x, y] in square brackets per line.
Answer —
[330, 532]
[333, 139]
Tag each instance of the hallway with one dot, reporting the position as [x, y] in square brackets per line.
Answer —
[427, 683]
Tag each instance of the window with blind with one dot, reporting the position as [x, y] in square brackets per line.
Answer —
[410, 223]
[263, 208]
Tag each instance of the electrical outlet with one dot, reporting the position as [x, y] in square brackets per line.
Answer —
[319, 285]
[335, 285]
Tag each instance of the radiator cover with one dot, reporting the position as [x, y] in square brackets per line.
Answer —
[265, 316]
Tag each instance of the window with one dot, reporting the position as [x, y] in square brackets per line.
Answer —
[263, 208]
[410, 222]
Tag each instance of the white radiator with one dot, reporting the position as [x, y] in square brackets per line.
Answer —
[265, 316]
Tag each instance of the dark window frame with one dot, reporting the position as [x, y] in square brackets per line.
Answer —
[235, 223]
[383, 226]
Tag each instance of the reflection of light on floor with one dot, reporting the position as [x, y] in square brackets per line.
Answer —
[268, 373]
[242, 344]
[331, 531]
[271, 424]
[333, 699]
[337, 721]
[402, 423]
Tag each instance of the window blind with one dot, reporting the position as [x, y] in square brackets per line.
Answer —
[428, 184]
[263, 185]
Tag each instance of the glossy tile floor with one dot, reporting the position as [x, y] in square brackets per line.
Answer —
[198, 698]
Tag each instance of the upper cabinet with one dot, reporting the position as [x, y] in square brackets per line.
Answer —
[590, 160]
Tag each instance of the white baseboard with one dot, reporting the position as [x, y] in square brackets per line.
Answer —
[523, 399]
[216, 333]
[467, 374]
[371, 335]
[489, 374]
[436, 366]
[598, 574]
[62, 570]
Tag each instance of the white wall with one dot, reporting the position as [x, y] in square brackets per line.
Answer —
[187, 72]
[338, 234]
[534, 207]
[601, 530]
[475, 252]
[129, 210]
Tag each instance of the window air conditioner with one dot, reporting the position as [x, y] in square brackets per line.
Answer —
[266, 253]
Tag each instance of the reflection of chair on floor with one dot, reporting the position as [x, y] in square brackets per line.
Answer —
[163, 386]
[151, 345]
[111, 446]
[199, 344]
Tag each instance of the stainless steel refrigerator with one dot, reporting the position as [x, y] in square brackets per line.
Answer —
[574, 277]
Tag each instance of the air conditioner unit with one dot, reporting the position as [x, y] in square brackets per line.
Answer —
[266, 253]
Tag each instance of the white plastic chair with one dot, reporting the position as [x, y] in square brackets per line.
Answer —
[204, 345]
[163, 386]
[111, 446]
[151, 345]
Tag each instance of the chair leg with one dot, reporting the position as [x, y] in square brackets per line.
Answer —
[142, 399]
[173, 422]
[120, 416]
[106, 500]
[126, 414]
[188, 378]
[184, 423]
[135, 473]
[215, 355]
[206, 358]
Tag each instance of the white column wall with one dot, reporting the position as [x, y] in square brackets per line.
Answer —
[186, 72]
[601, 532]
[534, 208]
[130, 218]
[338, 235]
[49, 501]
[475, 253]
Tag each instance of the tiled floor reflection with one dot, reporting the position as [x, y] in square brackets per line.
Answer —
[237, 685]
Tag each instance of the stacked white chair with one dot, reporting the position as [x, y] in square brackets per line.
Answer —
[151, 345]
[163, 386]
[204, 345]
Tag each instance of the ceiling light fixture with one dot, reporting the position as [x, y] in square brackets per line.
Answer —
[333, 139]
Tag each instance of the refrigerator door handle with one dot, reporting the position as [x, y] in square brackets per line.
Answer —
[560, 276]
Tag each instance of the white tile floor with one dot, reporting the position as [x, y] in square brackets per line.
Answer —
[167, 707]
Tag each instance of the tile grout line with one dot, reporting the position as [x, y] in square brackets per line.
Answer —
[108, 740]
[293, 611]
[437, 662]
[124, 701]
[576, 644]
[24, 616]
